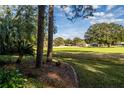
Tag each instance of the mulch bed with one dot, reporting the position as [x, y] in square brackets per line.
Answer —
[53, 76]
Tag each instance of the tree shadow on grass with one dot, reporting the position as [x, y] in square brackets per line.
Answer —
[95, 71]
[11, 59]
[75, 51]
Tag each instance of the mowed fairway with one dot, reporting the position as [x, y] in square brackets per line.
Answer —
[96, 67]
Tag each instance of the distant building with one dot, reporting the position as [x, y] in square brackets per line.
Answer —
[94, 44]
[87, 45]
[120, 44]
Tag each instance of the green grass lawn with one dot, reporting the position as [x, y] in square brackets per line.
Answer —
[93, 49]
[96, 67]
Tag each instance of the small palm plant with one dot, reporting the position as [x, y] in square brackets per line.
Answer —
[24, 48]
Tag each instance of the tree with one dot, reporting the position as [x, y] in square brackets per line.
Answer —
[77, 41]
[50, 33]
[104, 33]
[78, 11]
[118, 32]
[46, 40]
[40, 35]
[13, 36]
[25, 22]
[5, 29]
[59, 41]
[68, 42]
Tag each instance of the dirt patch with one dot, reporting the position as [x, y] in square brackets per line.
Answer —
[51, 75]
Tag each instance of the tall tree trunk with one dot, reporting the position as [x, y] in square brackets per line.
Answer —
[50, 34]
[109, 45]
[19, 59]
[40, 35]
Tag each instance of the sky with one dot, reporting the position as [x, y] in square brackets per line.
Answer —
[103, 13]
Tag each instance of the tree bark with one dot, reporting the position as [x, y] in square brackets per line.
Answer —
[19, 59]
[40, 35]
[109, 45]
[50, 34]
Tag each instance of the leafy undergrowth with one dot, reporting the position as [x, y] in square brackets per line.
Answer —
[26, 75]
[10, 77]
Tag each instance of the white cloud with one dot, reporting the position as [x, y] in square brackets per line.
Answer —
[119, 12]
[108, 16]
[60, 14]
[69, 35]
[107, 21]
[119, 9]
[96, 6]
[110, 7]
[103, 14]
[92, 18]
[57, 6]
[99, 14]
[67, 9]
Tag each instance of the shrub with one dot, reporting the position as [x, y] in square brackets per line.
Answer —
[24, 48]
[11, 79]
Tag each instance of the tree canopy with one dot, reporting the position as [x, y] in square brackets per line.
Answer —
[59, 41]
[105, 33]
[17, 23]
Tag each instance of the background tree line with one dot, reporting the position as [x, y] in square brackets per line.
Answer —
[59, 41]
